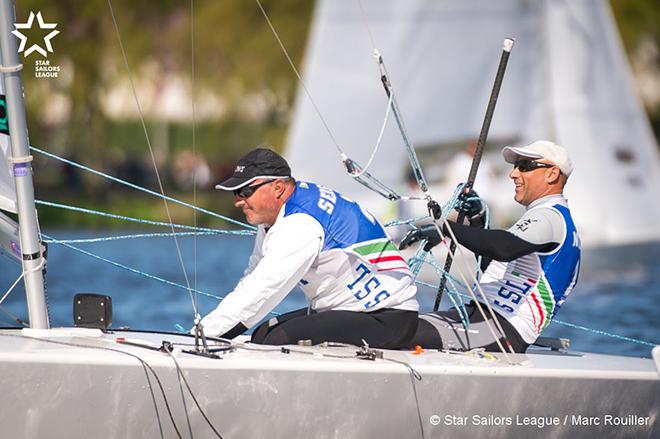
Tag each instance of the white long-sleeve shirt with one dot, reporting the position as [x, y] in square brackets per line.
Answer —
[340, 256]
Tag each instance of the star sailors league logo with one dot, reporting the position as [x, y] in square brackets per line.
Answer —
[35, 47]
[42, 68]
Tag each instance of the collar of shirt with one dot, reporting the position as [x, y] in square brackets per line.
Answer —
[548, 199]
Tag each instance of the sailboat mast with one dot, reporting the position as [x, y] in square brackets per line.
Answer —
[22, 170]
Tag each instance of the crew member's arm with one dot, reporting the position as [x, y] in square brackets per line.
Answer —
[539, 230]
[290, 248]
[500, 245]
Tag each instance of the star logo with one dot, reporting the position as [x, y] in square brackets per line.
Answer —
[35, 47]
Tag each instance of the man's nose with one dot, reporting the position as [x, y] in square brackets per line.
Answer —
[514, 173]
[238, 201]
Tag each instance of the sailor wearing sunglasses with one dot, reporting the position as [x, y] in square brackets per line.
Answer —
[528, 270]
[357, 284]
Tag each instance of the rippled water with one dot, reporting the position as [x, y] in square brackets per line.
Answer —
[618, 291]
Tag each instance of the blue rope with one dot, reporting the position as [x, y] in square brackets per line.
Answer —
[570, 325]
[452, 286]
[125, 267]
[136, 220]
[607, 334]
[133, 270]
[408, 222]
[143, 235]
[416, 262]
[134, 186]
[454, 295]
[420, 257]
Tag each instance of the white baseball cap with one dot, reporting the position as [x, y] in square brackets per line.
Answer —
[541, 149]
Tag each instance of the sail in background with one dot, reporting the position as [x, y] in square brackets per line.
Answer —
[567, 80]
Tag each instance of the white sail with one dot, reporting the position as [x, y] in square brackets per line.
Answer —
[567, 80]
[7, 191]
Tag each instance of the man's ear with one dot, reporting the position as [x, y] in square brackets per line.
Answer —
[280, 188]
[553, 176]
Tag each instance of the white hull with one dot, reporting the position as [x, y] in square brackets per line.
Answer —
[54, 391]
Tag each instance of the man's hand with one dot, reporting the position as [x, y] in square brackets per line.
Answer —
[427, 232]
[470, 205]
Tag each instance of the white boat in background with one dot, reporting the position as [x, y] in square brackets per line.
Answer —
[84, 382]
[567, 80]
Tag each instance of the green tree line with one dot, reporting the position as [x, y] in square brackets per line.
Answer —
[235, 58]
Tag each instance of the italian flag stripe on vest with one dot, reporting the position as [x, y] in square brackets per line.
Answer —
[548, 300]
[382, 254]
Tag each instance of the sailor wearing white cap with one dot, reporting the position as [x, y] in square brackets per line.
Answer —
[529, 269]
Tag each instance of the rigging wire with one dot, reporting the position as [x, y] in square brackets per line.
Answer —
[192, 395]
[153, 400]
[414, 374]
[412, 156]
[23, 273]
[371, 36]
[380, 138]
[140, 220]
[133, 270]
[194, 144]
[507, 46]
[302, 83]
[183, 401]
[437, 217]
[391, 104]
[140, 188]
[16, 319]
[153, 158]
[134, 236]
[448, 207]
[485, 302]
[366, 23]
[144, 363]
[12, 287]
[421, 257]
[563, 323]
[353, 169]
[125, 267]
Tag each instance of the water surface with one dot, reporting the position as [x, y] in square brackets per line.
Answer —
[618, 291]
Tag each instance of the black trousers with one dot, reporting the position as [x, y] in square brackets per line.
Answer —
[445, 330]
[385, 328]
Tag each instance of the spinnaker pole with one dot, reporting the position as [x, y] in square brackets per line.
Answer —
[33, 259]
[476, 160]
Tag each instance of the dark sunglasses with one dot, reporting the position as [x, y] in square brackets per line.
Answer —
[526, 165]
[248, 191]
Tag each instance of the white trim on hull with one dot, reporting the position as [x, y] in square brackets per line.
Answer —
[53, 390]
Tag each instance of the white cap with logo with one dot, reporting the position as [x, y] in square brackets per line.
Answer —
[541, 149]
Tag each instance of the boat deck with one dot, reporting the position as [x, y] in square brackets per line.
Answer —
[63, 377]
[76, 344]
